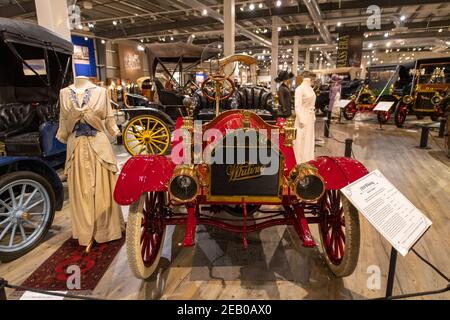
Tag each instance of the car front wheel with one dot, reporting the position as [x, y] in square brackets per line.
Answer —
[27, 209]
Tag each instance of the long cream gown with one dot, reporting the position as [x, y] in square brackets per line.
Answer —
[305, 119]
[90, 165]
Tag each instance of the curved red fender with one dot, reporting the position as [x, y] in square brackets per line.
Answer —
[339, 172]
[142, 174]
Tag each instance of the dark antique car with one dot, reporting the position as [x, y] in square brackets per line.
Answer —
[426, 95]
[36, 64]
[237, 159]
[385, 82]
[351, 83]
[150, 124]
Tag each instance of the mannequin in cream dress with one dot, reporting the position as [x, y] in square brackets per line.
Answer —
[305, 119]
[90, 164]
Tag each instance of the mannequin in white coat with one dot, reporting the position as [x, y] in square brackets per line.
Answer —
[305, 119]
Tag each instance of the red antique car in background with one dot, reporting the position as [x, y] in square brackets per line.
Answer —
[162, 191]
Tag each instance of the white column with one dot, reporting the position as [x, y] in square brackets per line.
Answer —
[274, 64]
[295, 56]
[53, 15]
[229, 26]
[307, 59]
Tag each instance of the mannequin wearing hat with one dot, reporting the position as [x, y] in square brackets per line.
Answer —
[284, 93]
[305, 119]
[335, 94]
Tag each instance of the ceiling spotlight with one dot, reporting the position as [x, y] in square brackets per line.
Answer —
[103, 41]
[219, 46]
[171, 38]
[402, 18]
[339, 24]
[204, 12]
[388, 44]
[141, 48]
[440, 30]
[142, 40]
[278, 3]
[91, 25]
[386, 35]
[366, 35]
[279, 28]
[115, 22]
[251, 6]
[86, 38]
[80, 27]
[260, 5]
[370, 45]
[242, 8]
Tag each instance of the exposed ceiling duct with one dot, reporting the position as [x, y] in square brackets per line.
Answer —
[194, 4]
[318, 19]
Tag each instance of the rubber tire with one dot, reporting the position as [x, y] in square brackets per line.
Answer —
[352, 242]
[434, 118]
[133, 242]
[396, 121]
[251, 209]
[11, 177]
[419, 117]
[346, 115]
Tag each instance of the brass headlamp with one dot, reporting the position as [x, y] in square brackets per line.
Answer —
[407, 99]
[436, 99]
[306, 183]
[184, 185]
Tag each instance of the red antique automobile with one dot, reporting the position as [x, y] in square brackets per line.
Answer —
[162, 190]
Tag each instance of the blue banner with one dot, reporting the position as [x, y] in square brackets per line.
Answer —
[84, 57]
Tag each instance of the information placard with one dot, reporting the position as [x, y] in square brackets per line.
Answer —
[383, 106]
[343, 103]
[388, 210]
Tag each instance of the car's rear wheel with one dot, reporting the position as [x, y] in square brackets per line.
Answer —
[340, 234]
[400, 114]
[27, 209]
[145, 233]
[350, 111]
[146, 135]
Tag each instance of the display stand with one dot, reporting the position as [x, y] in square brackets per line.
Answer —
[391, 274]
[327, 126]
[424, 137]
[2, 289]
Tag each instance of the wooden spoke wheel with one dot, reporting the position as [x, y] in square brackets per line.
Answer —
[349, 111]
[400, 114]
[145, 233]
[146, 135]
[340, 235]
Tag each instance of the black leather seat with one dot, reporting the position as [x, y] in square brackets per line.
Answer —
[17, 118]
[257, 99]
[205, 109]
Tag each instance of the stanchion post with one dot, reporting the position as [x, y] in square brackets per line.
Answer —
[326, 132]
[424, 137]
[120, 138]
[348, 147]
[442, 128]
[391, 274]
[2, 289]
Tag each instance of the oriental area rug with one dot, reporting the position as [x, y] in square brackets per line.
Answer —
[71, 269]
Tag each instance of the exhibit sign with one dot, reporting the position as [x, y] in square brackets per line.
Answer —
[388, 210]
[343, 103]
[349, 51]
[383, 106]
[84, 57]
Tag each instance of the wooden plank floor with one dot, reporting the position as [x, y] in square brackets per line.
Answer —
[276, 266]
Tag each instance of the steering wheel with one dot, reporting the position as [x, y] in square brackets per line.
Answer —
[219, 81]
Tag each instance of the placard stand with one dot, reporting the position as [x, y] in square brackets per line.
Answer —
[391, 274]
